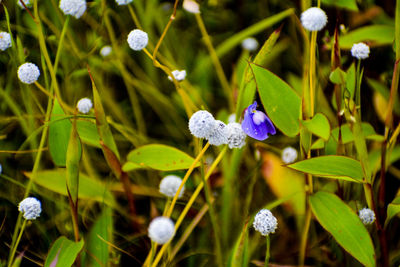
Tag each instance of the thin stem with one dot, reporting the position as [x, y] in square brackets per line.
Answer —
[312, 71]
[217, 64]
[14, 248]
[267, 253]
[304, 236]
[134, 17]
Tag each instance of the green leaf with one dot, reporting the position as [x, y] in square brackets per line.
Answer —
[385, 92]
[159, 157]
[88, 133]
[319, 125]
[63, 252]
[344, 225]
[351, 80]
[96, 241]
[337, 167]
[374, 158]
[281, 103]
[319, 144]
[55, 180]
[393, 209]
[377, 35]
[347, 4]
[73, 158]
[59, 130]
[347, 134]
[338, 76]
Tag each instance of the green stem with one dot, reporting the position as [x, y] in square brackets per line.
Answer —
[267, 253]
[14, 248]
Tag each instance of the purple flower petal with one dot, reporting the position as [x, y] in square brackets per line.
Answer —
[256, 124]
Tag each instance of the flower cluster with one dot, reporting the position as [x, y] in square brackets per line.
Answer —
[179, 75]
[5, 40]
[265, 222]
[123, 2]
[75, 8]
[84, 105]
[137, 39]
[28, 73]
[360, 51]
[170, 184]
[313, 19]
[191, 6]
[250, 44]
[366, 215]
[30, 207]
[203, 125]
[161, 230]
[289, 155]
[106, 51]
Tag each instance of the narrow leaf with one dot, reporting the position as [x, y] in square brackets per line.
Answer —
[347, 135]
[344, 225]
[73, 158]
[347, 4]
[351, 80]
[393, 209]
[63, 252]
[376, 35]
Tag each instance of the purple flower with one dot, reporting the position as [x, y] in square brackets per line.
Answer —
[256, 124]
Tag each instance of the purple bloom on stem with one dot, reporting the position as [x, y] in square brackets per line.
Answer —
[256, 124]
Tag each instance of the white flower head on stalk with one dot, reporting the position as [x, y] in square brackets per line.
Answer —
[5, 40]
[201, 124]
[170, 184]
[106, 51]
[313, 19]
[235, 135]
[138, 39]
[84, 105]
[191, 6]
[179, 75]
[28, 73]
[289, 155]
[123, 2]
[360, 51]
[161, 230]
[30, 207]
[28, 3]
[250, 44]
[75, 8]
[366, 215]
[219, 135]
[265, 222]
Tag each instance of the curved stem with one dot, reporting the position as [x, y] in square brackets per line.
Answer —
[14, 248]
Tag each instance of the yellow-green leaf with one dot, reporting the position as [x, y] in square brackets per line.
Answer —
[63, 252]
[347, 135]
[393, 209]
[74, 154]
[319, 125]
[376, 35]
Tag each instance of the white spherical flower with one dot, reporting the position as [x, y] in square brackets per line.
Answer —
[366, 215]
[161, 230]
[289, 155]
[123, 2]
[360, 51]
[170, 184]
[191, 6]
[250, 44]
[74, 8]
[179, 75]
[84, 105]
[232, 118]
[137, 40]
[5, 40]
[201, 124]
[235, 135]
[28, 3]
[30, 207]
[219, 135]
[313, 19]
[106, 51]
[265, 222]
[28, 73]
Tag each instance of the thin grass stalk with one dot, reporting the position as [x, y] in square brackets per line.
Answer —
[134, 17]
[267, 253]
[14, 248]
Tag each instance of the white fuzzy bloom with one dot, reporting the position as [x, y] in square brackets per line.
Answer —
[179, 75]
[366, 215]
[219, 135]
[26, 2]
[289, 155]
[265, 222]
[360, 51]
[250, 44]
[313, 19]
[5, 40]
[106, 51]
[84, 105]
[201, 124]
[74, 8]
[170, 184]
[191, 6]
[232, 118]
[28, 73]
[123, 2]
[30, 207]
[161, 230]
[137, 39]
[235, 135]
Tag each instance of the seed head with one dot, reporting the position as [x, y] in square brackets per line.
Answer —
[265, 222]
[106, 51]
[201, 124]
[30, 207]
[366, 215]
[179, 75]
[219, 135]
[5, 40]
[250, 44]
[137, 40]
[28, 73]
[235, 135]
[313, 19]
[161, 230]
[75, 8]
[360, 51]
[170, 184]
[84, 105]
[289, 155]
[191, 6]
[123, 2]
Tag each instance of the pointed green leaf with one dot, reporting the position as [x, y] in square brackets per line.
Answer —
[55, 180]
[347, 4]
[347, 135]
[73, 158]
[63, 252]
[337, 167]
[59, 131]
[377, 35]
[338, 76]
[393, 209]
[319, 125]
[319, 144]
[385, 92]
[344, 225]
[159, 157]
[351, 80]
[281, 103]
[88, 133]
